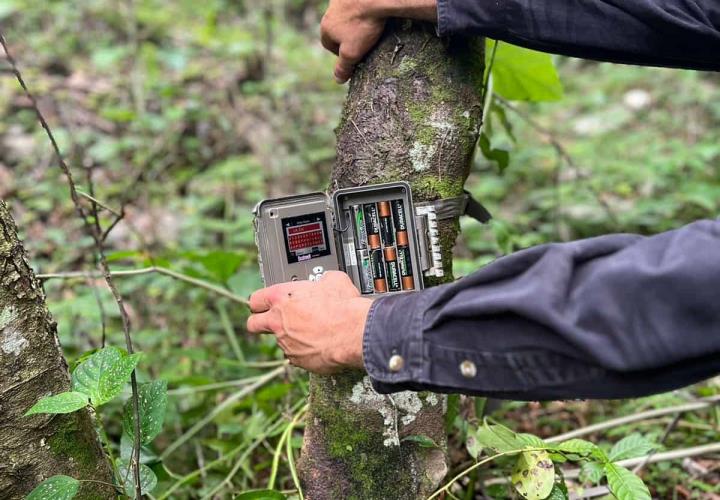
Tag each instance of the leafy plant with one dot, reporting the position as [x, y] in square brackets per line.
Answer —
[98, 379]
[533, 475]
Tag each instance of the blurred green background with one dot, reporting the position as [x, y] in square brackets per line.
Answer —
[191, 112]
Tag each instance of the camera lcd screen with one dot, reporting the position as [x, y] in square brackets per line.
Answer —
[306, 237]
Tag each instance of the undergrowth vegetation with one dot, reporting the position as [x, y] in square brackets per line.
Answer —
[180, 116]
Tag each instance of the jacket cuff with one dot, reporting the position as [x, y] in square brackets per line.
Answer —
[393, 344]
[460, 17]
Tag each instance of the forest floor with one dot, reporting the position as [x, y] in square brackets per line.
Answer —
[186, 114]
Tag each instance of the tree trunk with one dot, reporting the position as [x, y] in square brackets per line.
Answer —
[413, 113]
[31, 367]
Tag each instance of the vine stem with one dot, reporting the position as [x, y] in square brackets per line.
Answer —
[150, 270]
[96, 233]
[291, 458]
[479, 464]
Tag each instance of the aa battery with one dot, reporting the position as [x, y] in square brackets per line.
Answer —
[405, 265]
[372, 225]
[359, 224]
[365, 272]
[398, 215]
[386, 225]
[393, 275]
[377, 270]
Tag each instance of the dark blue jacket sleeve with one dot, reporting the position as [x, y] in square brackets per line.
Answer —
[608, 317]
[673, 33]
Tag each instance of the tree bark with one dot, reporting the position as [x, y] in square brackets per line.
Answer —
[31, 367]
[413, 113]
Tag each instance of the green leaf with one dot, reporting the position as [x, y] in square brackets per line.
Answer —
[86, 377]
[55, 488]
[624, 484]
[498, 438]
[499, 156]
[148, 480]
[114, 379]
[559, 492]
[524, 75]
[261, 495]
[634, 445]
[103, 375]
[422, 441]
[534, 475]
[65, 402]
[453, 410]
[152, 399]
[577, 446]
[592, 472]
[147, 456]
[532, 441]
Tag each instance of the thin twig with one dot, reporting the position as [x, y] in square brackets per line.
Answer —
[700, 404]
[98, 202]
[230, 454]
[659, 457]
[670, 427]
[219, 409]
[96, 233]
[149, 270]
[560, 150]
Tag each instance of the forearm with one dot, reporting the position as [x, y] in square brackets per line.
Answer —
[675, 33]
[615, 316]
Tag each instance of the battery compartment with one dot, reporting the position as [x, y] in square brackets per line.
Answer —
[375, 227]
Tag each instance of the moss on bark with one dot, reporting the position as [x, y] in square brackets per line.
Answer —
[413, 113]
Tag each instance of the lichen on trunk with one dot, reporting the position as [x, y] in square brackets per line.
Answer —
[413, 113]
[32, 366]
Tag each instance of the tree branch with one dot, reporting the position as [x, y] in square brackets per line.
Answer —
[149, 270]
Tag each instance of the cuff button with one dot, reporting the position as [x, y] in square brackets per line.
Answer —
[468, 369]
[396, 363]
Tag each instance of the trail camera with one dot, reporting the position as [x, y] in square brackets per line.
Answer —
[373, 233]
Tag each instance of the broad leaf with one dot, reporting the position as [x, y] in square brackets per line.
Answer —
[65, 402]
[577, 446]
[152, 399]
[631, 446]
[532, 441]
[473, 447]
[624, 484]
[148, 480]
[114, 379]
[103, 375]
[534, 475]
[86, 377]
[592, 472]
[261, 495]
[55, 488]
[559, 492]
[422, 441]
[523, 75]
[499, 156]
[498, 438]
[147, 456]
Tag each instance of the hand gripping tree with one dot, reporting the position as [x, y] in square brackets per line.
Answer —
[413, 113]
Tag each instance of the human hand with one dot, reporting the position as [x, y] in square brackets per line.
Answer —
[350, 28]
[319, 325]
